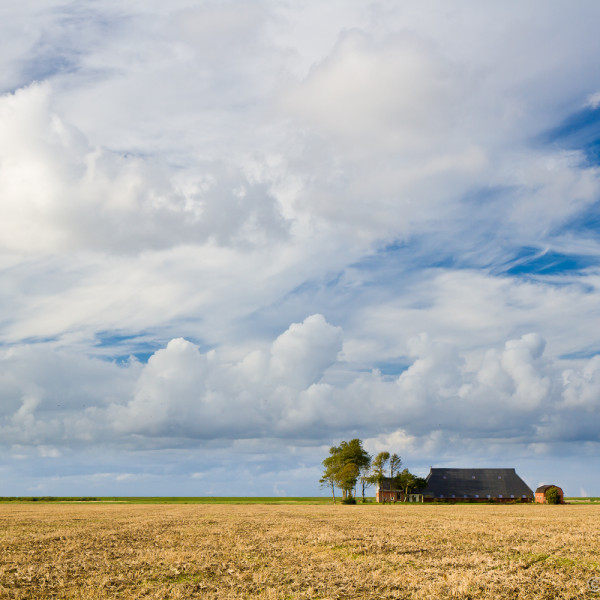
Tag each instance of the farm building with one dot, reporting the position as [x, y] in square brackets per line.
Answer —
[386, 491]
[540, 494]
[471, 485]
[476, 485]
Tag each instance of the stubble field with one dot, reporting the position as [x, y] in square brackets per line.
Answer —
[298, 552]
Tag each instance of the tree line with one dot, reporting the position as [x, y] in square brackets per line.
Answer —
[350, 465]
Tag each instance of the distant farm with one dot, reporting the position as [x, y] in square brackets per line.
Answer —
[99, 550]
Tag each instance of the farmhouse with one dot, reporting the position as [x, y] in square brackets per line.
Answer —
[467, 485]
[387, 491]
[540, 494]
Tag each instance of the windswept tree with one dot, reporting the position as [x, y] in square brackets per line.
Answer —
[328, 479]
[344, 465]
[346, 479]
[395, 464]
[378, 468]
[365, 479]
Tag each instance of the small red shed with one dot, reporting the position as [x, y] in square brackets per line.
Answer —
[540, 494]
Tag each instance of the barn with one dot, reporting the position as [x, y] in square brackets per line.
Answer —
[476, 485]
[540, 494]
[466, 485]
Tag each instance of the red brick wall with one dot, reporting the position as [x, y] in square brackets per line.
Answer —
[387, 495]
[541, 496]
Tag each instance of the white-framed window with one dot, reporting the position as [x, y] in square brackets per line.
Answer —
[499, 495]
[512, 495]
[476, 495]
[472, 476]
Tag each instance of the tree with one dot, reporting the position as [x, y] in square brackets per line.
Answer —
[552, 496]
[332, 464]
[364, 473]
[353, 459]
[378, 467]
[346, 479]
[328, 479]
[343, 466]
[408, 482]
[395, 464]
[365, 480]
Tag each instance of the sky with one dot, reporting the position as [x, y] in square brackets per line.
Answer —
[233, 234]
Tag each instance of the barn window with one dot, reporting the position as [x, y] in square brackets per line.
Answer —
[472, 476]
[476, 495]
[453, 495]
[512, 495]
[499, 476]
[499, 495]
[489, 496]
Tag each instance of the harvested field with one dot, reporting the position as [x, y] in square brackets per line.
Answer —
[297, 552]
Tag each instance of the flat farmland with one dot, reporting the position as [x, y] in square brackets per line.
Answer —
[100, 551]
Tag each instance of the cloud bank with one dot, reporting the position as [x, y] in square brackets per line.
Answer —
[184, 397]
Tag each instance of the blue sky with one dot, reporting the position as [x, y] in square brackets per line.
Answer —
[233, 234]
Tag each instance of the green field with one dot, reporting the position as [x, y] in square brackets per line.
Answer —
[171, 499]
[209, 499]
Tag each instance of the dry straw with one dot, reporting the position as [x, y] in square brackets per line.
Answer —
[297, 552]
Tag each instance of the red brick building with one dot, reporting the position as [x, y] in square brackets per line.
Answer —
[540, 494]
[386, 491]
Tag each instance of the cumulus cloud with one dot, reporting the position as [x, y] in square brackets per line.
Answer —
[301, 354]
[185, 397]
[183, 392]
[64, 194]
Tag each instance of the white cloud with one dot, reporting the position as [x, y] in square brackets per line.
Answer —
[301, 354]
[519, 361]
[184, 397]
[397, 94]
[582, 388]
[472, 308]
[63, 194]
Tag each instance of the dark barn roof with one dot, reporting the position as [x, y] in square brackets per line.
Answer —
[473, 483]
[545, 488]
